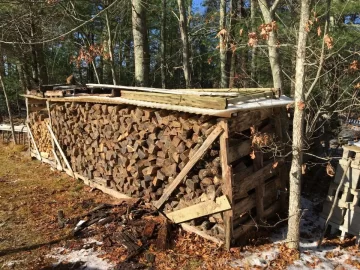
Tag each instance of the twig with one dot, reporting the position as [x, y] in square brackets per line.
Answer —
[335, 201]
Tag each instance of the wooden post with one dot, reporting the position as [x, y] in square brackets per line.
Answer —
[27, 121]
[280, 130]
[226, 182]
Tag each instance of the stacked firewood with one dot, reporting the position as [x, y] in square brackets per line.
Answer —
[139, 151]
[37, 122]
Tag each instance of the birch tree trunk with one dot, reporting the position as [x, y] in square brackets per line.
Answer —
[224, 80]
[274, 57]
[162, 43]
[185, 41]
[293, 235]
[141, 44]
[110, 48]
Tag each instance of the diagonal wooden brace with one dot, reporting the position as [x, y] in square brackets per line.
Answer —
[60, 150]
[199, 153]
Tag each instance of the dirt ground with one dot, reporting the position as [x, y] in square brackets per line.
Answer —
[31, 194]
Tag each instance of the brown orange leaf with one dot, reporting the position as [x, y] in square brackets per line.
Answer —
[319, 31]
[301, 105]
[275, 164]
[222, 32]
[303, 168]
[252, 130]
[241, 32]
[252, 155]
[233, 47]
[330, 170]
[328, 41]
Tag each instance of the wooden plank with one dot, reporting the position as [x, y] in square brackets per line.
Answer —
[58, 163]
[195, 158]
[260, 191]
[54, 93]
[90, 183]
[33, 141]
[227, 181]
[240, 188]
[239, 150]
[244, 205]
[217, 103]
[192, 229]
[165, 91]
[34, 100]
[272, 209]
[37, 108]
[265, 94]
[60, 150]
[239, 90]
[243, 228]
[245, 120]
[199, 210]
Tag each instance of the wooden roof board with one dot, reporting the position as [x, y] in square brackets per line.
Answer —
[254, 104]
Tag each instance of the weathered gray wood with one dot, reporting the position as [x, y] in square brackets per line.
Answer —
[199, 210]
[192, 229]
[226, 180]
[239, 150]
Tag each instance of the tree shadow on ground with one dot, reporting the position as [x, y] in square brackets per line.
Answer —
[69, 265]
[31, 247]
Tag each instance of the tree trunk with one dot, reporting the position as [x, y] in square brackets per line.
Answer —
[224, 80]
[7, 103]
[110, 48]
[141, 44]
[253, 49]
[232, 54]
[274, 57]
[185, 42]
[293, 235]
[162, 43]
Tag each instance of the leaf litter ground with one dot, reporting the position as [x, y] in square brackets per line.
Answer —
[31, 194]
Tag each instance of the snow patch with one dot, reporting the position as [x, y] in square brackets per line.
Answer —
[88, 256]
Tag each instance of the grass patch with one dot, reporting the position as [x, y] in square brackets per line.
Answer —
[30, 196]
